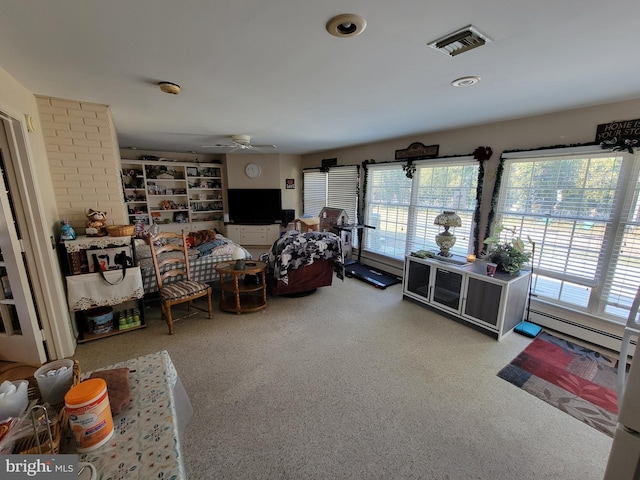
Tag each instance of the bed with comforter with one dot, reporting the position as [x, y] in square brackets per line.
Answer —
[206, 249]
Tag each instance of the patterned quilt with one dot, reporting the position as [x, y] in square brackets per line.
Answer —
[294, 250]
[202, 261]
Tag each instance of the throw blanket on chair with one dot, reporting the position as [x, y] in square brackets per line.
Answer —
[294, 250]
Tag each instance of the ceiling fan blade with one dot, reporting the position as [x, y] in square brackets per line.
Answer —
[220, 145]
[263, 146]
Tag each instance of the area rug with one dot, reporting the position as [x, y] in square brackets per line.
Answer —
[575, 379]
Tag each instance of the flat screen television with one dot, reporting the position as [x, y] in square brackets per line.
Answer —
[255, 206]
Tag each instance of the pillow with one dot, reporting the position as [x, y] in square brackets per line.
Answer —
[117, 380]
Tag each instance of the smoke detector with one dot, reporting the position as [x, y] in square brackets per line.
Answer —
[168, 87]
[460, 41]
[465, 81]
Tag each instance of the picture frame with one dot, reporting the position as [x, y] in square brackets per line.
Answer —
[192, 171]
[290, 183]
[180, 217]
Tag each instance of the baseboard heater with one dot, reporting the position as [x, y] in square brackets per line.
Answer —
[587, 333]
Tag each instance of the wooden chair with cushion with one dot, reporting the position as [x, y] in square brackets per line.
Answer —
[169, 252]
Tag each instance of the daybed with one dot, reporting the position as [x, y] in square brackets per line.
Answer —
[207, 249]
[299, 263]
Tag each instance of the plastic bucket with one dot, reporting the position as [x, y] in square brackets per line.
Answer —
[54, 383]
[89, 414]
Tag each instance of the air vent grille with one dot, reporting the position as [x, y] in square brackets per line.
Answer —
[461, 41]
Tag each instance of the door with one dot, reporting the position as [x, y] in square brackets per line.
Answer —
[20, 333]
[447, 289]
[416, 279]
[483, 301]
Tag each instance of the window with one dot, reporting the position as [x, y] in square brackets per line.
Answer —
[336, 188]
[581, 210]
[402, 209]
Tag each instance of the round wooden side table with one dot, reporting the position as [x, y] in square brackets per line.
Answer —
[239, 296]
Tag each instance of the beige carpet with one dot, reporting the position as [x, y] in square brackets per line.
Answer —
[355, 383]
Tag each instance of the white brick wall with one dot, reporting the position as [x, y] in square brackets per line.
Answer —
[84, 159]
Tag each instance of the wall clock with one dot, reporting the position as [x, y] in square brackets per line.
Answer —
[252, 170]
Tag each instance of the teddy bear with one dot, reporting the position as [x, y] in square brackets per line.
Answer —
[96, 223]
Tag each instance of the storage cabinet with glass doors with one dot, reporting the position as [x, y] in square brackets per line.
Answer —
[496, 304]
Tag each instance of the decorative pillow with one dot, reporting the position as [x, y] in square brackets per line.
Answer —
[117, 380]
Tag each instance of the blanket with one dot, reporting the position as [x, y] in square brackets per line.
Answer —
[202, 260]
[295, 249]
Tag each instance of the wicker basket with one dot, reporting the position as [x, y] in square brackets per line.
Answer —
[59, 424]
[121, 230]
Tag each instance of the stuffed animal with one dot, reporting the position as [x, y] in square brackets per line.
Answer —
[201, 237]
[96, 223]
[67, 232]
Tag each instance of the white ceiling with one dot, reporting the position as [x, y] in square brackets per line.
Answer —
[269, 69]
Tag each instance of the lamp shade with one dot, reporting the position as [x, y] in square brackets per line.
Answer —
[448, 218]
[238, 254]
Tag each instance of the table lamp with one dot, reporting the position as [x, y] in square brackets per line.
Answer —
[239, 256]
[446, 239]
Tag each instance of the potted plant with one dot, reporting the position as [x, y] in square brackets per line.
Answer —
[507, 250]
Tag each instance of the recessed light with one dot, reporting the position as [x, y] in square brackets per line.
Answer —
[465, 81]
[346, 25]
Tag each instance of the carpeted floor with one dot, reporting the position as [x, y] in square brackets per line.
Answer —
[577, 380]
[354, 382]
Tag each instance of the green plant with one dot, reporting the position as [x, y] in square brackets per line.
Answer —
[507, 250]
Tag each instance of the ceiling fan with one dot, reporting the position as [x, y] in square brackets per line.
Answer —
[239, 142]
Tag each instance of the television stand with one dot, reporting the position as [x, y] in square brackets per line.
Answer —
[256, 235]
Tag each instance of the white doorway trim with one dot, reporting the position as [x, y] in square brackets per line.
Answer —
[39, 242]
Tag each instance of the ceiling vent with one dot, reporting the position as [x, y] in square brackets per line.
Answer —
[461, 41]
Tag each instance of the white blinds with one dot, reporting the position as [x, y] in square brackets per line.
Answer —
[403, 210]
[342, 190]
[623, 272]
[581, 210]
[315, 192]
[337, 188]
[387, 210]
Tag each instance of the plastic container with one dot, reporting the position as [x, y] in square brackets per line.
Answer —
[100, 319]
[14, 401]
[53, 386]
[89, 414]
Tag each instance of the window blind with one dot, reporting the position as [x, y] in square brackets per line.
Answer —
[314, 196]
[402, 210]
[581, 211]
[337, 188]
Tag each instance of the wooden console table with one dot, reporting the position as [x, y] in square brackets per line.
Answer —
[238, 297]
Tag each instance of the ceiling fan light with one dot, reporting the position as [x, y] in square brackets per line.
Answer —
[243, 141]
[346, 25]
[169, 87]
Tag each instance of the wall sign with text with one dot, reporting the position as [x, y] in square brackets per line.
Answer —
[417, 151]
[627, 129]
